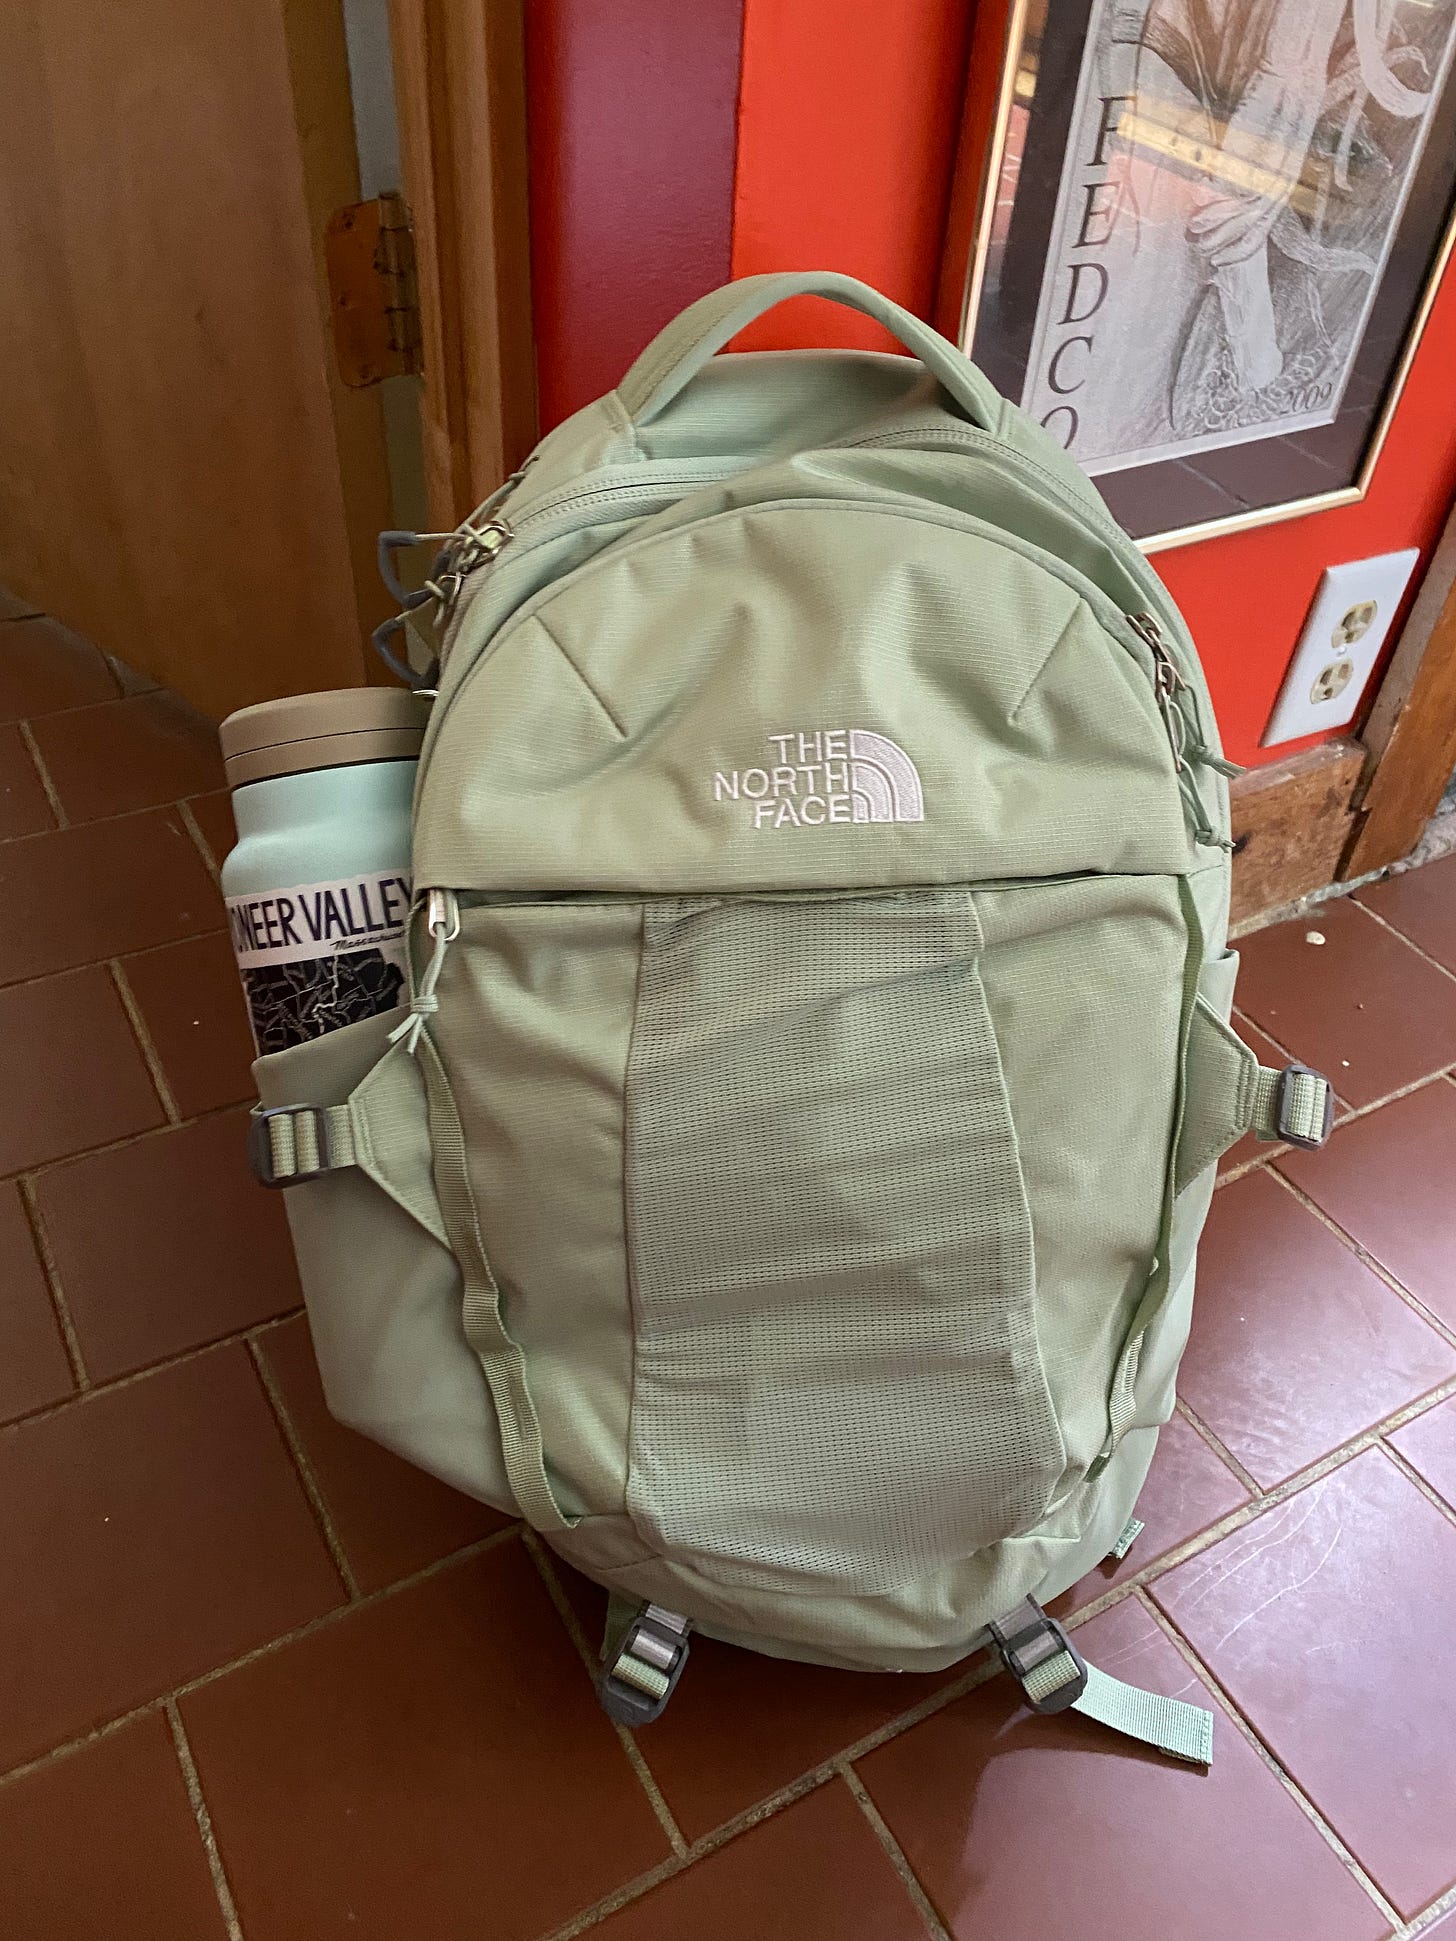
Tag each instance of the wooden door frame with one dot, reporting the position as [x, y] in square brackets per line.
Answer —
[1410, 735]
[328, 155]
[460, 86]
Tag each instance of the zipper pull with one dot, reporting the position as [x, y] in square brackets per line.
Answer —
[442, 920]
[1168, 686]
[1179, 710]
[474, 543]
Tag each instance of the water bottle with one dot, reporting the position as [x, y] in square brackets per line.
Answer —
[318, 887]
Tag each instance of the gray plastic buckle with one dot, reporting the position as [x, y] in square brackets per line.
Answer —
[1026, 1638]
[260, 1145]
[1286, 1106]
[656, 1638]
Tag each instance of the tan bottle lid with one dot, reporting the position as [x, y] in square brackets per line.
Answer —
[329, 730]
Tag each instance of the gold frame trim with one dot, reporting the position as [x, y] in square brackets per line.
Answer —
[1236, 521]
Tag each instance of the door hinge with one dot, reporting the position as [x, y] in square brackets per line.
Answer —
[370, 255]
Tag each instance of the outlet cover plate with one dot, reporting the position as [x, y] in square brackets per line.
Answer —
[1340, 645]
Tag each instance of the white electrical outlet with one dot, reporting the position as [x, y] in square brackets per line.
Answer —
[1340, 645]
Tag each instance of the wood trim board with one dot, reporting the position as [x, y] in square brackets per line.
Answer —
[460, 87]
[1410, 737]
[1291, 822]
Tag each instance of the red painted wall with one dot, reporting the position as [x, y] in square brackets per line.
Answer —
[846, 125]
[631, 108]
[846, 143]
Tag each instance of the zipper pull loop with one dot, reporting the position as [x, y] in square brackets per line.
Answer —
[1179, 710]
[442, 920]
[1229, 770]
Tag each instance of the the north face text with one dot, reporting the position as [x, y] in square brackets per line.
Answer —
[826, 775]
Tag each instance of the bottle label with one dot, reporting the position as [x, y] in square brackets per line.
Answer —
[321, 955]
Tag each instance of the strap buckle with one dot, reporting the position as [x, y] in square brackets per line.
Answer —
[1291, 1119]
[260, 1144]
[1030, 1645]
[635, 1687]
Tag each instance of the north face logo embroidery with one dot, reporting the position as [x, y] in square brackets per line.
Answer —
[826, 775]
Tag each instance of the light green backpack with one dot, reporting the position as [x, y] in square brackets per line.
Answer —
[782, 1190]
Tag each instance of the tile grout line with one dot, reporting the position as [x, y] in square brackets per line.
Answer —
[65, 1320]
[1414, 1476]
[1243, 1169]
[1272, 1146]
[143, 1037]
[1413, 1301]
[1276, 1149]
[982, 1671]
[119, 816]
[1244, 1514]
[895, 1853]
[647, 1779]
[630, 1890]
[1270, 1759]
[1409, 942]
[308, 1629]
[205, 1830]
[239, 1338]
[52, 794]
[1225, 1455]
[38, 1169]
[1420, 1923]
[1357, 1112]
[293, 1442]
[95, 963]
[194, 829]
[154, 809]
[787, 1795]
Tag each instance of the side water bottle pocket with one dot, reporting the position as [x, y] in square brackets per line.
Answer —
[383, 1290]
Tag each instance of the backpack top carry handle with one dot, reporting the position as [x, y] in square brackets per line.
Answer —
[679, 351]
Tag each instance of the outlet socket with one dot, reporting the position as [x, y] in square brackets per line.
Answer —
[1340, 645]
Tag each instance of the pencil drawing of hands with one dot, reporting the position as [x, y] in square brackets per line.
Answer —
[1258, 156]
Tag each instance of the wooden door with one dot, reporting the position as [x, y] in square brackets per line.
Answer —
[183, 477]
[460, 85]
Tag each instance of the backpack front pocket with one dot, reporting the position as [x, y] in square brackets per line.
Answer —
[837, 1374]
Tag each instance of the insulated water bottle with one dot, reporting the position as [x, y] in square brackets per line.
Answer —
[318, 887]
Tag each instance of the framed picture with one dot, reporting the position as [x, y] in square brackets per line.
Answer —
[1205, 239]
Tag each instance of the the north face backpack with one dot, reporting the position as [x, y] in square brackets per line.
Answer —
[782, 1189]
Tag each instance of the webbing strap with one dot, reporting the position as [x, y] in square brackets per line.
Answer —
[1055, 1678]
[290, 1143]
[1182, 1731]
[484, 1321]
[1131, 1531]
[1294, 1104]
[1121, 1402]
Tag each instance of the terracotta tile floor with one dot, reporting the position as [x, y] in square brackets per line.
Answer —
[260, 1679]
